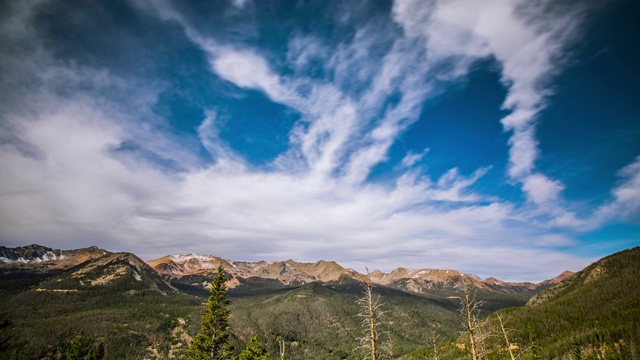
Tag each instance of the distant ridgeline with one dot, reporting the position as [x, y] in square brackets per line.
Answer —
[126, 308]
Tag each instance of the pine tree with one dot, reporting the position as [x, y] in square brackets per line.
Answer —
[213, 341]
[254, 350]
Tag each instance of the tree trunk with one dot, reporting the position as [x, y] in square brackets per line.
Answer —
[506, 338]
[372, 323]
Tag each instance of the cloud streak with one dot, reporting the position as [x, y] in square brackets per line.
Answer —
[529, 52]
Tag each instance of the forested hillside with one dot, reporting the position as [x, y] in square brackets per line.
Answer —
[593, 314]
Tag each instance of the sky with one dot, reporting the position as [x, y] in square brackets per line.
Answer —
[495, 137]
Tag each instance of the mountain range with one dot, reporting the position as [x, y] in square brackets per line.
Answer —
[151, 309]
[197, 270]
[188, 269]
[192, 273]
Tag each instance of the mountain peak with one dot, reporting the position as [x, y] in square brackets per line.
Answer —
[286, 272]
[194, 269]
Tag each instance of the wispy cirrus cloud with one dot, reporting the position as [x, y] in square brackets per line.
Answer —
[458, 33]
[86, 155]
[625, 201]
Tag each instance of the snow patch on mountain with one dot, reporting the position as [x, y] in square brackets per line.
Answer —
[49, 256]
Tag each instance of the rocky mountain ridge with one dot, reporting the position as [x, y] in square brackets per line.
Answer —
[194, 266]
[287, 272]
[40, 258]
[28, 254]
[196, 271]
[79, 269]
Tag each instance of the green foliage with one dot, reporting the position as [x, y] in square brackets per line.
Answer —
[254, 350]
[97, 352]
[213, 340]
[42, 324]
[594, 314]
[82, 349]
[79, 348]
[317, 321]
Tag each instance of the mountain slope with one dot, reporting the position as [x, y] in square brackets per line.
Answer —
[112, 272]
[318, 321]
[22, 267]
[77, 270]
[592, 314]
[47, 300]
[423, 280]
[41, 257]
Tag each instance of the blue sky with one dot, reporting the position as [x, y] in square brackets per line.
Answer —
[500, 138]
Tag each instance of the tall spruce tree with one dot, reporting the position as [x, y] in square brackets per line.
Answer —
[213, 341]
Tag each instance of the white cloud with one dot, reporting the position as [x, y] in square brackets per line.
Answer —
[72, 183]
[524, 39]
[68, 175]
[625, 203]
[248, 70]
[523, 149]
[304, 50]
[220, 209]
[556, 240]
[240, 3]
[569, 220]
[541, 190]
[222, 154]
[627, 194]
[411, 158]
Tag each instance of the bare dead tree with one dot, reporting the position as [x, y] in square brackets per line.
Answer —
[482, 334]
[281, 342]
[436, 340]
[506, 338]
[372, 320]
[471, 322]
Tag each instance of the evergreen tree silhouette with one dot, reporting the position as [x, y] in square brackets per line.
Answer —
[213, 341]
